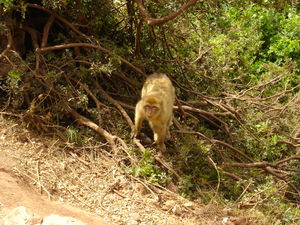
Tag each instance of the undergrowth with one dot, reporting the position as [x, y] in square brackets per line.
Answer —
[236, 70]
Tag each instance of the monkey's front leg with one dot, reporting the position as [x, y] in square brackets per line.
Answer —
[159, 137]
[138, 119]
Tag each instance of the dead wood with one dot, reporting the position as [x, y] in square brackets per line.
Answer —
[87, 45]
[56, 16]
[84, 121]
[273, 169]
[117, 105]
[8, 46]
[46, 31]
[151, 21]
[34, 39]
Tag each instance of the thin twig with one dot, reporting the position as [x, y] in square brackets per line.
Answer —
[87, 45]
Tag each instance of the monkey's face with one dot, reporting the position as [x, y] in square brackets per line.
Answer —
[151, 111]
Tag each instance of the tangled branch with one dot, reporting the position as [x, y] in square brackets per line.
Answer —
[87, 45]
[151, 21]
[273, 169]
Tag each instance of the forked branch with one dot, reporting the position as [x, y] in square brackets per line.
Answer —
[152, 21]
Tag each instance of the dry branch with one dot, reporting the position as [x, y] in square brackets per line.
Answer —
[234, 149]
[87, 45]
[96, 100]
[294, 157]
[160, 158]
[123, 112]
[123, 77]
[152, 21]
[272, 169]
[116, 103]
[34, 39]
[46, 31]
[212, 114]
[109, 137]
[70, 25]
[84, 121]
[8, 46]
[214, 141]
[253, 165]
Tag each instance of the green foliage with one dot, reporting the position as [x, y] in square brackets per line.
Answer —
[15, 74]
[148, 170]
[193, 161]
[186, 186]
[296, 176]
[268, 196]
[286, 42]
[7, 4]
[73, 135]
[239, 59]
[15, 80]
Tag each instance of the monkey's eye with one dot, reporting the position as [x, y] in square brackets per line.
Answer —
[154, 109]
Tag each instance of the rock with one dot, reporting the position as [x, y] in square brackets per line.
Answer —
[61, 220]
[189, 205]
[177, 210]
[21, 216]
[234, 221]
[238, 220]
[169, 204]
[172, 206]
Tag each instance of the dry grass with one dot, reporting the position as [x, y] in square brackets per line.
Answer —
[94, 179]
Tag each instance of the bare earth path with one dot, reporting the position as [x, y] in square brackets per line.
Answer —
[14, 193]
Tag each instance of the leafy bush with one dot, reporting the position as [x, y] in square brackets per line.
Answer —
[235, 66]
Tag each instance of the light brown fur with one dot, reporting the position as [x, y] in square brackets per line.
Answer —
[156, 106]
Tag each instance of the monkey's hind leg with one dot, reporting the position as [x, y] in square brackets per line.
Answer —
[168, 135]
[169, 123]
[162, 147]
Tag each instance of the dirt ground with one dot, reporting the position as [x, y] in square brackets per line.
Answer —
[93, 183]
[16, 193]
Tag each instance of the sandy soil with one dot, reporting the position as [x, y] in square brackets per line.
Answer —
[102, 188]
[15, 193]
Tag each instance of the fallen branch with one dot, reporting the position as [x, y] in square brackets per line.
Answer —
[116, 103]
[125, 115]
[200, 54]
[84, 121]
[233, 148]
[160, 158]
[271, 169]
[214, 141]
[214, 115]
[294, 157]
[88, 91]
[109, 137]
[252, 165]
